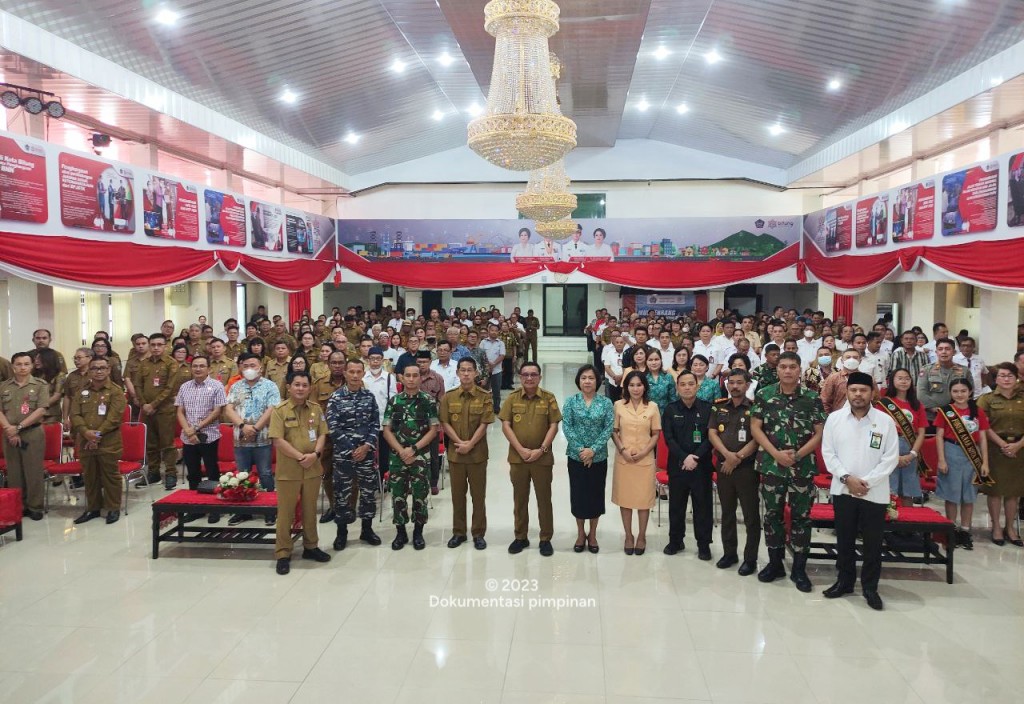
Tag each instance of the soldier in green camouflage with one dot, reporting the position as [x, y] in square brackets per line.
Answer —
[767, 374]
[410, 424]
[787, 422]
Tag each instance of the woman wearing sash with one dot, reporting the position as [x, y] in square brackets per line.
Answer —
[1005, 410]
[962, 446]
[901, 404]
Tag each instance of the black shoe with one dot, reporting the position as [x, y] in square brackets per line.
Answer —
[517, 546]
[213, 518]
[367, 535]
[149, 479]
[748, 568]
[594, 548]
[342, 540]
[673, 548]
[87, 516]
[998, 541]
[726, 562]
[401, 538]
[417, 537]
[579, 547]
[270, 520]
[239, 518]
[968, 540]
[170, 483]
[837, 590]
[703, 552]
[479, 543]
[874, 601]
[284, 565]
[328, 516]
[35, 515]
[456, 540]
[316, 554]
[774, 569]
[799, 574]
[545, 548]
[189, 517]
[112, 516]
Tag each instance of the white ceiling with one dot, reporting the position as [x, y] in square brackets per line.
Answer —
[235, 57]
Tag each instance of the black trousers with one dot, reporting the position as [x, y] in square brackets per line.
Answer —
[855, 516]
[740, 487]
[435, 461]
[683, 487]
[508, 373]
[198, 456]
[383, 455]
[614, 392]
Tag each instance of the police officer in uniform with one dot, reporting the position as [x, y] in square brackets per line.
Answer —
[353, 421]
[787, 422]
[96, 412]
[685, 424]
[934, 379]
[155, 391]
[465, 414]
[22, 406]
[299, 431]
[735, 447]
[529, 421]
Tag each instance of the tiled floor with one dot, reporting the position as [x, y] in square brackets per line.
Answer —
[88, 617]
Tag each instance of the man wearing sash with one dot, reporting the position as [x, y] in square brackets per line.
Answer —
[860, 449]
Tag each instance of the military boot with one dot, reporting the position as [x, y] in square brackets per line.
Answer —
[799, 573]
[401, 538]
[367, 535]
[342, 540]
[775, 569]
[417, 537]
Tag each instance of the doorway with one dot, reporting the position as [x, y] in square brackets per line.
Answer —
[431, 299]
[565, 310]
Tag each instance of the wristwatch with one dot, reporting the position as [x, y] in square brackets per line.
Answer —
[914, 453]
[843, 478]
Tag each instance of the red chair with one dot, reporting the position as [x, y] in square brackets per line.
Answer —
[132, 465]
[661, 476]
[823, 479]
[178, 444]
[931, 456]
[53, 465]
[226, 449]
[126, 417]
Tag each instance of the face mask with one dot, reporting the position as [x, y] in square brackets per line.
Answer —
[823, 361]
[686, 330]
[808, 333]
[851, 364]
[250, 374]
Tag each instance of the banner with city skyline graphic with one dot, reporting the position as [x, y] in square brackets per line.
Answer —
[749, 238]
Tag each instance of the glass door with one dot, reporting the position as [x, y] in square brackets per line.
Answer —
[565, 310]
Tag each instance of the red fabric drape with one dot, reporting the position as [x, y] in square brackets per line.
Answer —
[842, 307]
[993, 263]
[850, 272]
[702, 305]
[288, 274]
[432, 275]
[298, 302]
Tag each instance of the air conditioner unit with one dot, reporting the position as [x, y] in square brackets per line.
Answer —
[181, 295]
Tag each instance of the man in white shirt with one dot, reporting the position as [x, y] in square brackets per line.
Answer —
[808, 346]
[446, 366]
[611, 358]
[860, 448]
[704, 346]
[778, 336]
[665, 347]
[873, 361]
[494, 354]
[974, 364]
[887, 345]
[939, 332]
[396, 321]
[383, 385]
[845, 339]
[575, 249]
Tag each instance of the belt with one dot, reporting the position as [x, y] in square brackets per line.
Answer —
[29, 427]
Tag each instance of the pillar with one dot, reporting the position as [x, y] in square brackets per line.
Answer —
[23, 304]
[997, 334]
[865, 308]
[716, 300]
[147, 311]
[825, 300]
[922, 308]
[221, 304]
[414, 300]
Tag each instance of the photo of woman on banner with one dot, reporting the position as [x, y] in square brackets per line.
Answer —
[1015, 214]
[523, 250]
[600, 250]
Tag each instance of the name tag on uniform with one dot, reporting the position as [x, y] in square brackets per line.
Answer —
[156, 381]
[696, 436]
[101, 409]
[741, 435]
[24, 408]
[312, 435]
[876, 441]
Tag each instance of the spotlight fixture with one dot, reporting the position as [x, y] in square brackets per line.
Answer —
[100, 142]
[776, 129]
[438, 115]
[55, 109]
[34, 101]
[167, 17]
[474, 110]
[289, 96]
[32, 105]
[682, 108]
[9, 99]
[398, 66]
[643, 105]
[662, 53]
[834, 85]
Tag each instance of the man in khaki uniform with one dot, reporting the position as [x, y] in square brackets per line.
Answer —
[276, 366]
[41, 339]
[195, 342]
[233, 347]
[77, 380]
[22, 406]
[96, 412]
[529, 420]
[465, 414]
[155, 393]
[322, 390]
[221, 368]
[281, 335]
[299, 431]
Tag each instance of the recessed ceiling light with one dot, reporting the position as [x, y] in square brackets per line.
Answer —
[713, 57]
[351, 138]
[662, 53]
[438, 115]
[897, 127]
[834, 85]
[398, 66]
[776, 129]
[474, 110]
[682, 108]
[445, 59]
[289, 96]
[167, 17]
[996, 80]
[643, 105]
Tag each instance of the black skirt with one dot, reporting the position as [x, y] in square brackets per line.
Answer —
[587, 488]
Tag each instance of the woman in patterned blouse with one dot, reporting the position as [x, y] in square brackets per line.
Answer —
[707, 388]
[662, 387]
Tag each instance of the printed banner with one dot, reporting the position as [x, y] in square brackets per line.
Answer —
[1015, 191]
[670, 305]
[23, 194]
[970, 200]
[225, 219]
[95, 195]
[913, 213]
[872, 224]
[831, 229]
[266, 226]
[170, 209]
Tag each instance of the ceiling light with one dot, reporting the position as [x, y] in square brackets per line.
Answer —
[289, 97]
[898, 127]
[398, 66]
[474, 110]
[661, 53]
[351, 138]
[776, 129]
[167, 17]
[32, 105]
[682, 108]
[995, 81]
[834, 85]
[9, 99]
[438, 116]
[445, 59]
[55, 109]
[643, 105]
[713, 57]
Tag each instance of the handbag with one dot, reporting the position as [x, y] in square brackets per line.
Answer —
[207, 486]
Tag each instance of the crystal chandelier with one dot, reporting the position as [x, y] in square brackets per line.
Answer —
[557, 229]
[523, 128]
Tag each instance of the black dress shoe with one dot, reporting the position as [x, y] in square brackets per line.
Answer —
[594, 548]
[456, 540]
[703, 552]
[579, 547]
[517, 546]
[213, 518]
[269, 520]
[545, 548]
[35, 515]
[112, 516]
[239, 518]
[284, 565]
[874, 601]
[726, 562]
[999, 541]
[328, 516]
[748, 568]
[479, 543]
[837, 590]
[85, 517]
[316, 554]
[640, 550]
[672, 548]
[1018, 542]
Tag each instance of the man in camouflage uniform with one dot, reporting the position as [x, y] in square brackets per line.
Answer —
[353, 420]
[787, 422]
[410, 425]
[767, 374]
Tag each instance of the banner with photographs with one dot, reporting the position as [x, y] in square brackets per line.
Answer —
[225, 218]
[22, 181]
[170, 209]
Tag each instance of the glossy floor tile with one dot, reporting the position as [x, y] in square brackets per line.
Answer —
[87, 617]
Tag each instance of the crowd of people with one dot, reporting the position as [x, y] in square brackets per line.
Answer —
[357, 404]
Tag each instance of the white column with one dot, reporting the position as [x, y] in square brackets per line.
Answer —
[865, 311]
[921, 310]
[23, 304]
[997, 334]
[316, 298]
[414, 299]
[716, 300]
[147, 311]
[221, 304]
[825, 300]
[67, 321]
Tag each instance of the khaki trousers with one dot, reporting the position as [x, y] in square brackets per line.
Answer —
[472, 476]
[25, 467]
[522, 475]
[288, 493]
[103, 484]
